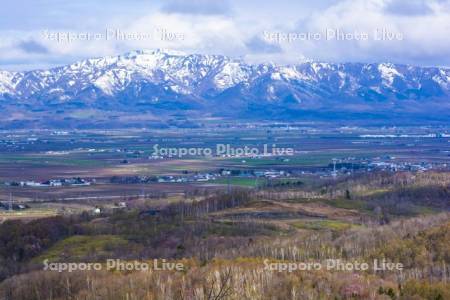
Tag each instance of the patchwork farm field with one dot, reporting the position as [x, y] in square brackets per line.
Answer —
[92, 196]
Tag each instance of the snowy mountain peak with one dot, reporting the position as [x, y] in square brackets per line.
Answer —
[142, 78]
[7, 82]
[157, 52]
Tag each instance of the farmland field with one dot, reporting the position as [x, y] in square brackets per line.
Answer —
[93, 196]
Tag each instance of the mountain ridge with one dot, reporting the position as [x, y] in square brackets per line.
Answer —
[163, 82]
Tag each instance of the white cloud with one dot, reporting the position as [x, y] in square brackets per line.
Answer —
[423, 37]
[236, 29]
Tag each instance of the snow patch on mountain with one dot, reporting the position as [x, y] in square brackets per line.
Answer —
[388, 73]
[6, 82]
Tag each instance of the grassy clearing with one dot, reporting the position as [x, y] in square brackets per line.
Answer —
[334, 225]
[77, 247]
[372, 192]
[240, 181]
[347, 204]
[30, 214]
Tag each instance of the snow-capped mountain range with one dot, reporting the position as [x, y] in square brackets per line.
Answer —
[164, 81]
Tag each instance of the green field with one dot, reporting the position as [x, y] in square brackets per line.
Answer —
[240, 181]
[322, 225]
[83, 246]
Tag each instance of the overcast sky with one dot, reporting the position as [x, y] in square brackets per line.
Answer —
[33, 32]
